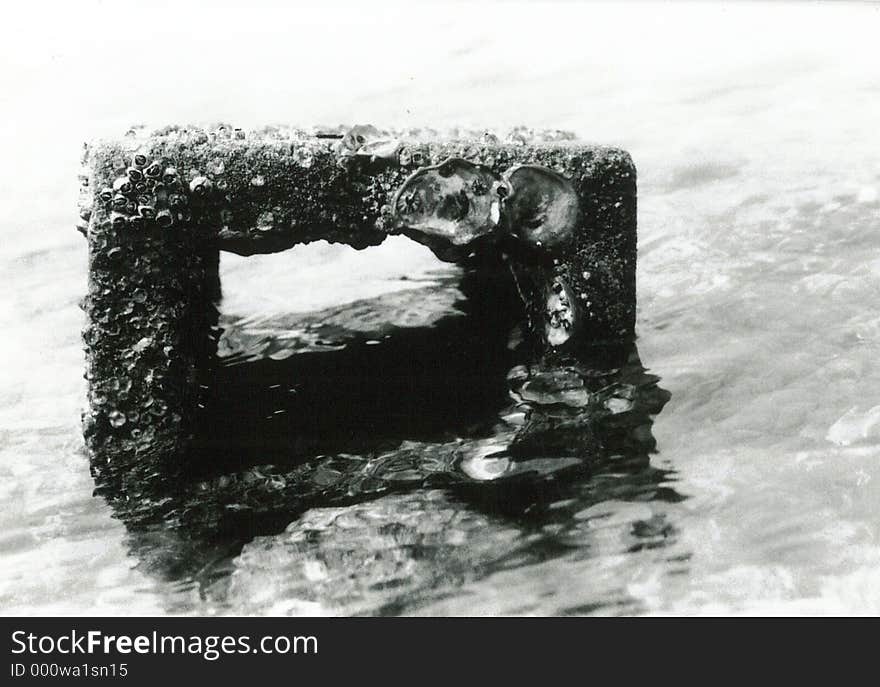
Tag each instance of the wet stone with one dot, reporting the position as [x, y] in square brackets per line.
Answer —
[160, 207]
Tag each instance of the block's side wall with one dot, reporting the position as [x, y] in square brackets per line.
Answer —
[594, 274]
[602, 268]
[149, 311]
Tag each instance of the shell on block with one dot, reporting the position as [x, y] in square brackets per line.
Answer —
[561, 317]
[543, 206]
[450, 205]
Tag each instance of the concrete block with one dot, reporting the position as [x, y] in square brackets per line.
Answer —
[157, 208]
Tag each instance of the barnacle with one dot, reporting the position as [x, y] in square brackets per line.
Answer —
[122, 185]
[118, 220]
[449, 206]
[200, 186]
[153, 170]
[357, 137]
[116, 418]
[542, 207]
[367, 144]
[164, 219]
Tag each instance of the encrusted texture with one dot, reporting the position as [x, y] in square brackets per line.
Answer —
[157, 208]
[153, 280]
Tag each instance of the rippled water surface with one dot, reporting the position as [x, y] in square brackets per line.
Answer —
[376, 444]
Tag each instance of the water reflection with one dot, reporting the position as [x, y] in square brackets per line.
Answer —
[347, 466]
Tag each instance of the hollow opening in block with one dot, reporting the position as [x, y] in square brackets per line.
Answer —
[325, 349]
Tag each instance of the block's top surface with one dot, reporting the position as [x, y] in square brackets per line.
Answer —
[268, 189]
[360, 136]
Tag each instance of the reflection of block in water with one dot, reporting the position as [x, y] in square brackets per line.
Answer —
[158, 208]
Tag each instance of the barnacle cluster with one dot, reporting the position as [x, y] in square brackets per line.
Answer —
[147, 316]
[150, 194]
[148, 309]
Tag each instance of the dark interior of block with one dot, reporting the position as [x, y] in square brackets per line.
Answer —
[338, 390]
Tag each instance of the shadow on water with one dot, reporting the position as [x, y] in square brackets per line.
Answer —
[402, 461]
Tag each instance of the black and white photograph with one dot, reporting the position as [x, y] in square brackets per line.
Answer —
[448, 309]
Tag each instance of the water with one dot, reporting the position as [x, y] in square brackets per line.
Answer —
[740, 473]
